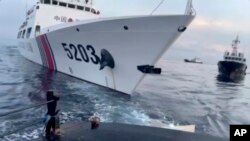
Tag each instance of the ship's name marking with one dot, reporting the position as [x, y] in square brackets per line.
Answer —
[81, 53]
[64, 19]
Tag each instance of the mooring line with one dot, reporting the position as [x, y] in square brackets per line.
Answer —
[161, 2]
[26, 108]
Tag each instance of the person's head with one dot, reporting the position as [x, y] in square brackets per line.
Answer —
[50, 94]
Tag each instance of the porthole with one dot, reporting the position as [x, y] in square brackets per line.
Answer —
[182, 28]
[125, 27]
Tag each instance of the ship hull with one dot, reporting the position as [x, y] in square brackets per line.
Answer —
[188, 61]
[75, 48]
[232, 70]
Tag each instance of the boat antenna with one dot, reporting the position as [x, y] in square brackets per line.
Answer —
[161, 2]
[236, 42]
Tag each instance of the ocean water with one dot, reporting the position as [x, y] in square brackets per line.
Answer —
[183, 94]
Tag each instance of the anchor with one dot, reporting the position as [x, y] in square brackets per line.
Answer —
[107, 60]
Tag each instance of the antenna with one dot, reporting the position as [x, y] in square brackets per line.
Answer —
[236, 41]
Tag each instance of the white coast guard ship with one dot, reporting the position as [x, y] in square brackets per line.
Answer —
[72, 37]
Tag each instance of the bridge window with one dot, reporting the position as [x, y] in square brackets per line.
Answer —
[87, 9]
[80, 7]
[19, 34]
[71, 6]
[62, 4]
[54, 2]
[93, 11]
[37, 32]
[46, 1]
[244, 60]
[28, 32]
[23, 33]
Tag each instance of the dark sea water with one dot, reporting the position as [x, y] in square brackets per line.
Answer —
[184, 94]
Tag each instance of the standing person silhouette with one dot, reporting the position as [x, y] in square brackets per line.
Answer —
[51, 114]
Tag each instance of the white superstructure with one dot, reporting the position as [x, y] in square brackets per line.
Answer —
[197, 60]
[234, 55]
[70, 36]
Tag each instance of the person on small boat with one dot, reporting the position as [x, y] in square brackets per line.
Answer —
[50, 121]
[95, 121]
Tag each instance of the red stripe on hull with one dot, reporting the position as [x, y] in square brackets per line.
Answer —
[48, 53]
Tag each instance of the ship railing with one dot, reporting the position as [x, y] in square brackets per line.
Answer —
[189, 8]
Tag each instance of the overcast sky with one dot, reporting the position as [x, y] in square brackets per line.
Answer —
[217, 23]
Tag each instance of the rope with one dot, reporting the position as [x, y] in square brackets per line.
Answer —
[20, 110]
[26, 108]
[157, 7]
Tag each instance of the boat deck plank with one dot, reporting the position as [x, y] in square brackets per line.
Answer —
[80, 131]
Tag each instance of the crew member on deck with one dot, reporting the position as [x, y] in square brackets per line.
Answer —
[50, 122]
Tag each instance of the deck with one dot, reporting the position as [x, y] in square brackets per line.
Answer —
[80, 131]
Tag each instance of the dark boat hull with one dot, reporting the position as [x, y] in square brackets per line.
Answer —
[232, 70]
[81, 131]
[189, 61]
